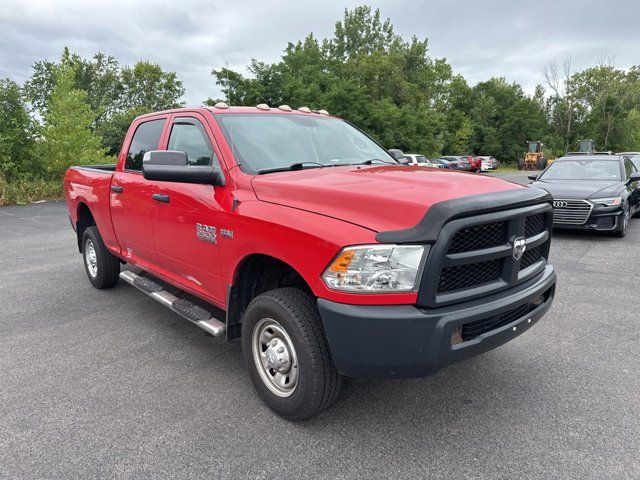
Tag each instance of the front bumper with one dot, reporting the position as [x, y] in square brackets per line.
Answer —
[601, 219]
[402, 341]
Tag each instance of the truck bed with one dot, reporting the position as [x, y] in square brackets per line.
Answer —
[88, 186]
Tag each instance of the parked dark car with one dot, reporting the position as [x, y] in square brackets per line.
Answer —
[594, 192]
[458, 162]
[443, 162]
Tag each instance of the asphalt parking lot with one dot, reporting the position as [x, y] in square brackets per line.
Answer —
[110, 384]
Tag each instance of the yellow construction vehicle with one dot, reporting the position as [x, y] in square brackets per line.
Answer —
[534, 158]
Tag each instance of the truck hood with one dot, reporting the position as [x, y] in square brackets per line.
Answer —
[379, 198]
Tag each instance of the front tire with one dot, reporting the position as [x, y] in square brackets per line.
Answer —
[287, 354]
[621, 231]
[103, 269]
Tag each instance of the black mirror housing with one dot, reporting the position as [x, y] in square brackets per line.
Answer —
[532, 176]
[634, 177]
[172, 166]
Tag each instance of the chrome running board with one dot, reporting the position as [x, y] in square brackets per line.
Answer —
[183, 307]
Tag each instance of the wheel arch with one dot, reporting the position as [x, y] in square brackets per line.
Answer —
[254, 274]
[84, 220]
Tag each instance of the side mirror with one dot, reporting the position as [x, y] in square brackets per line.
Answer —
[398, 155]
[533, 176]
[172, 166]
[634, 177]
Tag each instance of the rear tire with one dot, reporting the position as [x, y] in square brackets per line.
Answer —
[103, 269]
[282, 329]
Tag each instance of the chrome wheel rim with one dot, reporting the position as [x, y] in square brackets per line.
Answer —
[275, 357]
[90, 259]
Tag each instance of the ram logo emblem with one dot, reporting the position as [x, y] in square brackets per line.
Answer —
[519, 247]
[206, 233]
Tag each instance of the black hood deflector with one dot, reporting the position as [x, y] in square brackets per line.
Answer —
[427, 230]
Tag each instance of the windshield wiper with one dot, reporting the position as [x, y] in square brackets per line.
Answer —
[293, 166]
[371, 160]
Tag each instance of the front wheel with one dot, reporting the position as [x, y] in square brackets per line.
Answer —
[103, 269]
[286, 351]
[621, 231]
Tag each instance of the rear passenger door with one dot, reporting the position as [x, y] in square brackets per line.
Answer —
[187, 224]
[131, 195]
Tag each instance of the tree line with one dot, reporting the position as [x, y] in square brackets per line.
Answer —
[76, 110]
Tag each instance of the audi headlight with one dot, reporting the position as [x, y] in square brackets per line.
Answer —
[376, 268]
[609, 201]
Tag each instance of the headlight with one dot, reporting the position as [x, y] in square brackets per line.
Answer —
[609, 201]
[376, 268]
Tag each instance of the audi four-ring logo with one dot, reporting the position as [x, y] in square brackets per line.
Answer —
[560, 204]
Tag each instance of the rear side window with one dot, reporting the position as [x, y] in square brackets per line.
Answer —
[147, 137]
[189, 136]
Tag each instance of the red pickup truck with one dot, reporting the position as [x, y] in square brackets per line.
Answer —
[295, 233]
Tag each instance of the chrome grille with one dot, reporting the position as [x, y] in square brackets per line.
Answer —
[571, 212]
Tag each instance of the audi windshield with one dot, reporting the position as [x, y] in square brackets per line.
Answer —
[605, 170]
[265, 143]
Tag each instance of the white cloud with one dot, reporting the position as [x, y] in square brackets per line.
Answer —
[506, 38]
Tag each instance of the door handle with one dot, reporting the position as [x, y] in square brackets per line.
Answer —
[117, 188]
[159, 197]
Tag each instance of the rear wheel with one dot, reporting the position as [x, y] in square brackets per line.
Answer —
[287, 354]
[102, 268]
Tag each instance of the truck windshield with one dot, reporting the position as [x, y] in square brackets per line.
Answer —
[583, 170]
[263, 142]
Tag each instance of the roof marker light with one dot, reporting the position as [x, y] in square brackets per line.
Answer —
[305, 109]
[262, 106]
[285, 108]
[323, 112]
[221, 105]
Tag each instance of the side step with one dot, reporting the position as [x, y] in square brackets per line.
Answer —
[185, 308]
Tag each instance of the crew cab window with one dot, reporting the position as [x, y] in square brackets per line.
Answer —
[189, 136]
[146, 137]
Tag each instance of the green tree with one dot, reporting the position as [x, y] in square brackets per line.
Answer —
[98, 77]
[67, 138]
[17, 130]
[147, 86]
[115, 94]
[366, 74]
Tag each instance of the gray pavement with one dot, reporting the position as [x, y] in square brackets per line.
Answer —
[109, 384]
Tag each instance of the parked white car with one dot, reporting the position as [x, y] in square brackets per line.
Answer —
[421, 160]
[488, 163]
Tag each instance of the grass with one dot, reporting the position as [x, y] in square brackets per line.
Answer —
[23, 191]
[506, 169]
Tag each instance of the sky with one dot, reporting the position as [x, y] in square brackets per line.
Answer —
[481, 39]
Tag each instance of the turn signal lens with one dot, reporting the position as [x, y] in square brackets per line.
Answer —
[341, 264]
